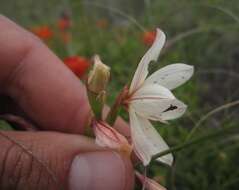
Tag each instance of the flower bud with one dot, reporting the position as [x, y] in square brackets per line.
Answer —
[106, 136]
[96, 86]
[99, 76]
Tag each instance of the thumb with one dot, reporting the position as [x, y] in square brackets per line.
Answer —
[49, 160]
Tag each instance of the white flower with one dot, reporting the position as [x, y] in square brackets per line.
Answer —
[151, 99]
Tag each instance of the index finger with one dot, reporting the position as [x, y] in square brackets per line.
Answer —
[50, 94]
[39, 82]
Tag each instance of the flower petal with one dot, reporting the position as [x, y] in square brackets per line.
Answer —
[107, 136]
[146, 140]
[149, 183]
[175, 110]
[157, 103]
[151, 55]
[152, 91]
[171, 76]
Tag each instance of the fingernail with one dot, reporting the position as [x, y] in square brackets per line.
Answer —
[98, 170]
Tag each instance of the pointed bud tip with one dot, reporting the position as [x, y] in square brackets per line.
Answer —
[99, 76]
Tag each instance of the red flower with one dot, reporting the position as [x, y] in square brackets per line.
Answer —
[149, 37]
[43, 32]
[77, 64]
[64, 24]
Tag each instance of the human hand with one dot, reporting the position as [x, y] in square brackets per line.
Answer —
[52, 97]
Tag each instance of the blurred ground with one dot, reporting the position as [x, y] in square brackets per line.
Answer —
[201, 33]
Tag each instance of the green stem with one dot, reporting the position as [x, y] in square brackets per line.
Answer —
[195, 141]
[113, 113]
[97, 103]
[205, 117]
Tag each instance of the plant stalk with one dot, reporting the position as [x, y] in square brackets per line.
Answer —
[196, 141]
[113, 113]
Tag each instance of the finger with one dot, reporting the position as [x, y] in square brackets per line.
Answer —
[69, 162]
[39, 82]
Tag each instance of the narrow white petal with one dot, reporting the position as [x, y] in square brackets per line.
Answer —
[154, 91]
[156, 102]
[151, 109]
[151, 55]
[174, 111]
[159, 109]
[146, 140]
[171, 76]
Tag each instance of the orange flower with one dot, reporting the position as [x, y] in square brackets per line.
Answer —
[43, 32]
[66, 37]
[149, 37]
[64, 21]
[102, 23]
[77, 64]
[64, 24]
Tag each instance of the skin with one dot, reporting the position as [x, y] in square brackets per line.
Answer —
[42, 89]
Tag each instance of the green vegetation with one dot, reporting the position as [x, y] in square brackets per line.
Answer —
[201, 33]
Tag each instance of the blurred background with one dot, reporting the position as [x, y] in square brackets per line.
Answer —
[203, 33]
